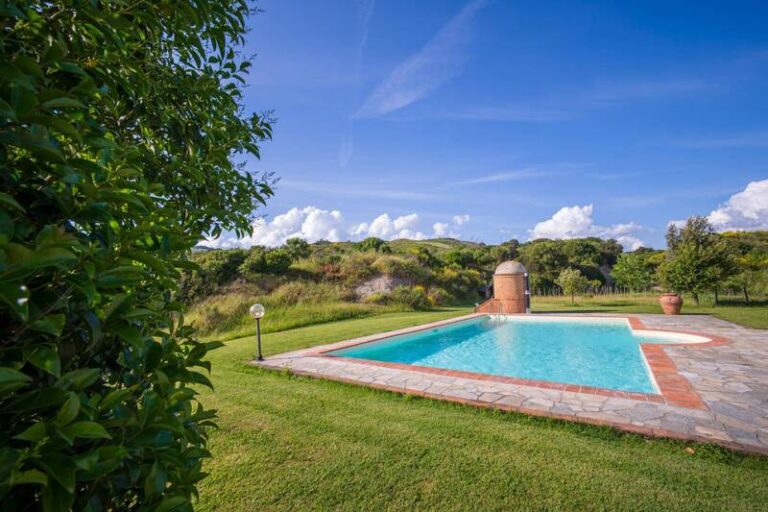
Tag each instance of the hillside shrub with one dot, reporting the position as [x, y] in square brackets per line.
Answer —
[260, 260]
[214, 269]
[373, 244]
[356, 267]
[402, 267]
[414, 297]
[439, 297]
[118, 121]
[462, 284]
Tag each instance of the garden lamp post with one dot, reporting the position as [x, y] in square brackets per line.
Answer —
[257, 311]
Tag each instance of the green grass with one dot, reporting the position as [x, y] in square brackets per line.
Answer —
[225, 317]
[290, 443]
[754, 314]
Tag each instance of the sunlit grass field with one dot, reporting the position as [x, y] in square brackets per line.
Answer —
[753, 314]
[291, 443]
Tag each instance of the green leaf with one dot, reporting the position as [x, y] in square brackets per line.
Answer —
[49, 256]
[56, 498]
[78, 379]
[198, 378]
[11, 380]
[87, 461]
[45, 357]
[36, 433]
[60, 468]
[155, 481]
[31, 476]
[114, 397]
[36, 400]
[129, 334]
[69, 410]
[61, 103]
[28, 66]
[86, 430]
[174, 504]
[51, 324]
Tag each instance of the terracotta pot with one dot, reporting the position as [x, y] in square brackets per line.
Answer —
[671, 303]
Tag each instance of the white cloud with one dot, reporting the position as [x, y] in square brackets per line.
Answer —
[437, 62]
[441, 229]
[309, 223]
[387, 228]
[460, 220]
[745, 211]
[450, 229]
[313, 224]
[576, 222]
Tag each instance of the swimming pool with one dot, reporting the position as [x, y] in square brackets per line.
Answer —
[594, 352]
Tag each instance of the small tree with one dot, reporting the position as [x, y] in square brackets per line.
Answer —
[696, 258]
[633, 271]
[572, 282]
[297, 248]
[373, 244]
[749, 267]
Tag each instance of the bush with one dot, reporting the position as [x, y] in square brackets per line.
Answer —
[463, 284]
[373, 244]
[216, 268]
[117, 132]
[411, 296]
[402, 267]
[265, 261]
[297, 248]
[439, 297]
[356, 267]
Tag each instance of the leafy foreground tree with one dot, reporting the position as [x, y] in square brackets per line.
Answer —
[119, 122]
[697, 258]
[633, 271]
[572, 282]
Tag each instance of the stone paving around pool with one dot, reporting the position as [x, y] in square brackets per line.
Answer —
[731, 379]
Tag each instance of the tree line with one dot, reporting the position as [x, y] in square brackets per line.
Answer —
[697, 260]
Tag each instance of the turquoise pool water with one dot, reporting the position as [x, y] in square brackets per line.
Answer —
[603, 354]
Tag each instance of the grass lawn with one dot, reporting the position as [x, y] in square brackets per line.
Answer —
[291, 443]
[754, 314]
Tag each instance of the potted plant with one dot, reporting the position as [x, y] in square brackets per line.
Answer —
[671, 303]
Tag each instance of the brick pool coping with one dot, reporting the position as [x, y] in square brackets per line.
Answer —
[677, 392]
[674, 388]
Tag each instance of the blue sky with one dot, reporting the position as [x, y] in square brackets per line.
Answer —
[495, 119]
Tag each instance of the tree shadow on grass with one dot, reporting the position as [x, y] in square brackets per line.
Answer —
[742, 304]
[577, 310]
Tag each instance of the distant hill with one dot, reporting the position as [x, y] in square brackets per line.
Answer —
[436, 245]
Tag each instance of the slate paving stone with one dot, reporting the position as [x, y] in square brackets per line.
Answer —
[731, 379]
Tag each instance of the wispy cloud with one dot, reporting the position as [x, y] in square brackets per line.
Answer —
[346, 150]
[618, 92]
[519, 174]
[514, 114]
[573, 104]
[438, 61]
[364, 12]
[742, 140]
[639, 201]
